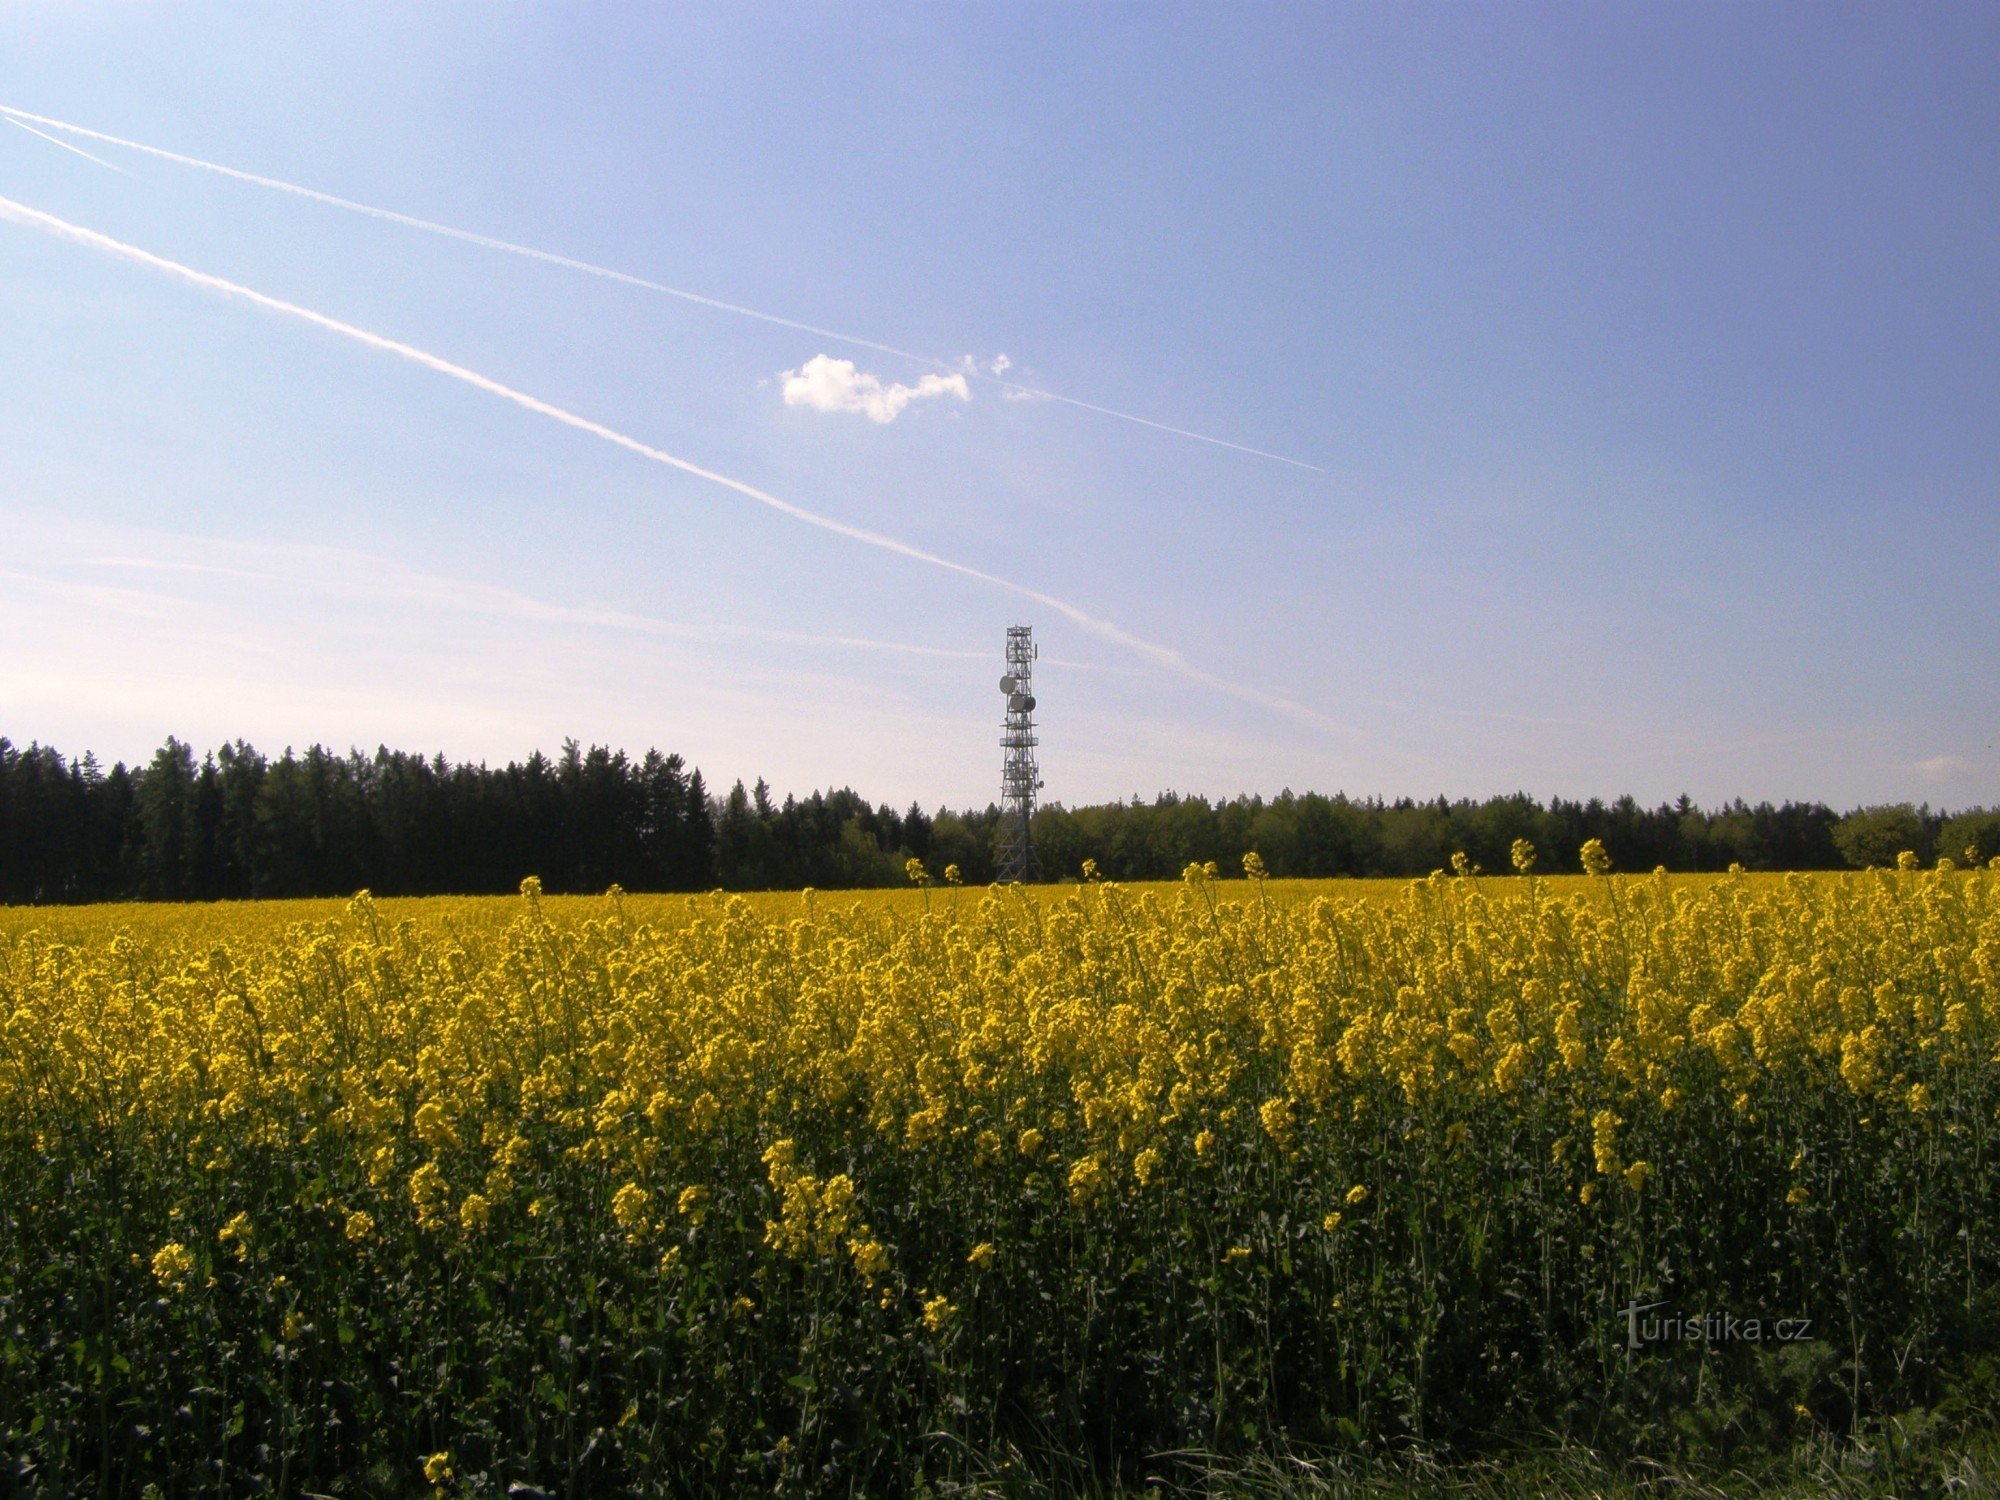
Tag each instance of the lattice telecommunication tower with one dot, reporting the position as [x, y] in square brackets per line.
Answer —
[1020, 779]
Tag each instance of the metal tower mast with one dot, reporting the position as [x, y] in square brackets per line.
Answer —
[1020, 778]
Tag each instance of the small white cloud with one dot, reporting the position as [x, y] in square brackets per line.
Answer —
[1021, 393]
[1001, 365]
[1943, 767]
[827, 384]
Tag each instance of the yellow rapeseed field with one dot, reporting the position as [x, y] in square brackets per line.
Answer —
[818, 1192]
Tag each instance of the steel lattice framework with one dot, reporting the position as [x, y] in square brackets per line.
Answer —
[1020, 778]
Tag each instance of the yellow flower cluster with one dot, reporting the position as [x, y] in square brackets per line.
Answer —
[172, 1265]
[439, 1051]
[859, 1091]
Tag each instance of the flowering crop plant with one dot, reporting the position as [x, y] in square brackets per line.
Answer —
[834, 1195]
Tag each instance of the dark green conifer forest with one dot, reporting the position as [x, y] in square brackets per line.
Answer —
[235, 823]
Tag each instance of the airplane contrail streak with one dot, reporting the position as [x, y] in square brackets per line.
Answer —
[1162, 656]
[428, 226]
[58, 141]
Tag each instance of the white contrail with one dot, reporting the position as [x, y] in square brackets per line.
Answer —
[549, 257]
[56, 141]
[1162, 656]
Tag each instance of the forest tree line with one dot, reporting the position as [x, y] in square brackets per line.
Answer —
[236, 823]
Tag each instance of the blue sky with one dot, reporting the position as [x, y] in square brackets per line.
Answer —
[1648, 353]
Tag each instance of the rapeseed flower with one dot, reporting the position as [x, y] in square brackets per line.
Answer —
[812, 1085]
[173, 1265]
[939, 1314]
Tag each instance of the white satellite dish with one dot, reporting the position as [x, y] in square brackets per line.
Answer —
[1007, 684]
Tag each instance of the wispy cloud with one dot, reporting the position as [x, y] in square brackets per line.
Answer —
[73, 561]
[362, 575]
[141, 603]
[296, 568]
[827, 384]
[997, 369]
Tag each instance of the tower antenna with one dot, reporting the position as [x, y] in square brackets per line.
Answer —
[1020, 778]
